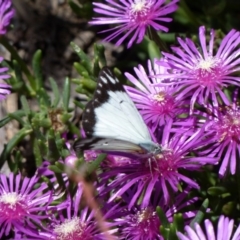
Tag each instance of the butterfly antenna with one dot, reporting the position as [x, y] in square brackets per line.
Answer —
[150, 159]
[153, 158]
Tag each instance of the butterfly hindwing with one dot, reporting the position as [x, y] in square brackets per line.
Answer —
[107, 144]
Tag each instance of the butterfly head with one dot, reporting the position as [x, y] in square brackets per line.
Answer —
[151, 147]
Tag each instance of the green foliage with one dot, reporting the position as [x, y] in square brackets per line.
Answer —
[167, 229]
[44, 125]
[200, 215]
[88, 69]
[44, 128]
[82, 8]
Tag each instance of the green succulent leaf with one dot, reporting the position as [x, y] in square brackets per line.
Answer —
[200, 215]
[66, 93]
[17, 115]
[85, 61]
[37, 70]
[216, 190]
[162, 217]
[13, 143]
[56, 93]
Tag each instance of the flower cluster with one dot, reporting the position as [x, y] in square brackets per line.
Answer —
[188, 105]
[29, 209]
[184, 100]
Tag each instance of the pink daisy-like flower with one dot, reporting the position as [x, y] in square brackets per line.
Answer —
[222, 126]
[6, 14]
[143, 222]
[157, 105]
[162, 173]
[133, 17]
[224, 231]
[140, 224]
[75, 222]
[22, 205]
[204, 71]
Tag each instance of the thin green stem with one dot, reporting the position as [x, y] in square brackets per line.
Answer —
[155, 37]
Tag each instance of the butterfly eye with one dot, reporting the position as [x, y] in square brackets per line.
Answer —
[157, 150]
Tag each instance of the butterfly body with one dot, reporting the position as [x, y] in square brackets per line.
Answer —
[112, 123]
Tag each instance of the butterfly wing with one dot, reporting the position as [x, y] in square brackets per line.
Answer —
[112, 123]
[112, 114]
[108, 145]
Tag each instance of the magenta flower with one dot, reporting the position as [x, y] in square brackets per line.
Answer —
[75, 222]
[22, 205]
[224, 231]
[6, 14]
[162, 172]
[90, 155]
[133, 17]
[204, 71]
[143, 222]
[113, 161]
[140, 224]
[157, 105]
[5, 89]
[222, 126]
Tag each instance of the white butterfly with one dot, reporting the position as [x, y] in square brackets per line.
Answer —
[112, 123]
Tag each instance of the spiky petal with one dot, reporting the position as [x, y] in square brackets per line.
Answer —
[224, 231]
[6, 14]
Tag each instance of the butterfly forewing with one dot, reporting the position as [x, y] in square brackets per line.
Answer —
[112, 114]
[100, 96]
